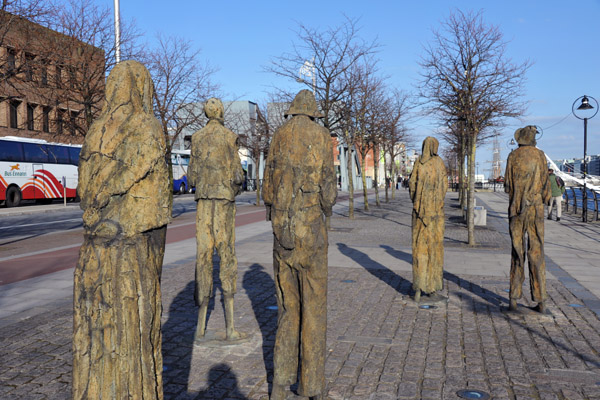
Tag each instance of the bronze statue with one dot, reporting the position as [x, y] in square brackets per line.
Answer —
[126, 198]
[527, 184]
[428, 184]
[216, 171]
[299, 191]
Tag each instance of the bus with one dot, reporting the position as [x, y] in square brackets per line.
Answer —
[180, 159]
[33, 169]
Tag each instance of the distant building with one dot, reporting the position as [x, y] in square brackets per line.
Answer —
[575, 165]
[41, 74]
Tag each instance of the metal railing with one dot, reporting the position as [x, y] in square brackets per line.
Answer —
[574, 199]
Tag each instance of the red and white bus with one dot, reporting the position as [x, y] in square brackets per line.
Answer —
[32, 169]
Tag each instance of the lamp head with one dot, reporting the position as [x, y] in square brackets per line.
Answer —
[585, 104]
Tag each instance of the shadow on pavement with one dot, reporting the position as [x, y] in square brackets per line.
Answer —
[224, 384]
[260, 289]
[400, 255]
[179, 331]
[560, 343]
[178, 338]
[477, 290]
[379, 270]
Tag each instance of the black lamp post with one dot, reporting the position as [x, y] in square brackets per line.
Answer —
[585, 110]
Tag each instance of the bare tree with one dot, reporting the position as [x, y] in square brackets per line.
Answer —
[332, 51]
[181, 80]
[394, 135]
[468, 79]
[88, 27]
[366, 99]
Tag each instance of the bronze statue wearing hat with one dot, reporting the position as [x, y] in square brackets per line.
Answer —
[526, 182]
[299, 191]
[216, 172]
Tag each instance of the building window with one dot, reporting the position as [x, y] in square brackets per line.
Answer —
[43, 73]
[46, 119]
[73, 121]
[30, 117]
[60, 121]
[72, 77]
[58, 76]
[14, 114]
[11, 60]
[29, 62]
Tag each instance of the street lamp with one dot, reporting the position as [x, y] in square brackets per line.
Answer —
[585, 110]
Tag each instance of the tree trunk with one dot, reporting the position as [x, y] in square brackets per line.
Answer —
[258, 182]
[363, 170]
[387, 180]
[471, 192]
[349, 161]
[376, 175]
[461, 179]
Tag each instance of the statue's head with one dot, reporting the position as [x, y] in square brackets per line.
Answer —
[429, 149]
[213, 109]
[526, 136]
[304, 104]
[129, 82]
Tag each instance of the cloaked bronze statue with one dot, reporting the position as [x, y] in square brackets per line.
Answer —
[216, 172]
[428, 184]
[527, 184]
[299, 191]
[126, 198]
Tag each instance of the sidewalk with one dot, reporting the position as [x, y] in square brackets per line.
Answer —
[380, 344]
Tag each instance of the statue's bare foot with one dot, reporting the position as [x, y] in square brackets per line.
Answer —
[278, 392]
[235, 335]
[512, 306]
[541, 308]
[418, 296]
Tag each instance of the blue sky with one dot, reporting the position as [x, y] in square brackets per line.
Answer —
[561, 38]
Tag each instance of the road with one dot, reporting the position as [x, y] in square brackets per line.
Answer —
[43, 242]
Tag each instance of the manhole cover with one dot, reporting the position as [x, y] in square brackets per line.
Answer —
[427, 307]
[348, 281]
[271, 307]
[472, 394]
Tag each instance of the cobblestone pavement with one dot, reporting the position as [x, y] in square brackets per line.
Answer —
[381, 345]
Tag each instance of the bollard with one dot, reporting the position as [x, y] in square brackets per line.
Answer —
[64, 182]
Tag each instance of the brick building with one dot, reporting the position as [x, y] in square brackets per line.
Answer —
[51, 85]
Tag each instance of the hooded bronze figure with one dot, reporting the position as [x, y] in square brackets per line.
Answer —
[299, 190]
[216, 172]
[428, 184]
[126, 198]
[526, 182]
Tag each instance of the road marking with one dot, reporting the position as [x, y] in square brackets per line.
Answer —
[41, 223]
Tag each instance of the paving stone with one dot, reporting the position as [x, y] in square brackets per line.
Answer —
[380, 344]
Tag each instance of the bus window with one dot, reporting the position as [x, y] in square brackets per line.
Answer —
[59, 154]
[74, 155]
[185, 160]
[35, 152]
[11, 151]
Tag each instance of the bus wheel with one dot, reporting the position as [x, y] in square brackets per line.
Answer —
[13, 196]
[182, 188]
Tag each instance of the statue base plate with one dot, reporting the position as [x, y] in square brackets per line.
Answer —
[529, 312]
[432, 299]
[219, 339]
